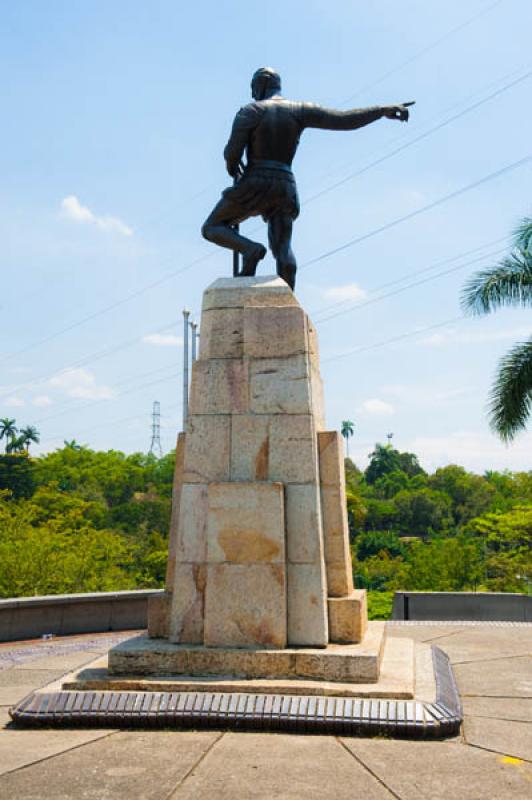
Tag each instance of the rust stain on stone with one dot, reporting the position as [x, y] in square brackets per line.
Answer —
[241, 545]
[278, 572]
[257, 631]
[262, 461]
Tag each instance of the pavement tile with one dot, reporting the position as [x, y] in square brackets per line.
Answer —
[483, 643]
[422, 633]
[266, 766]
[442, 770]
[501, 677]
[131, 764]
[519, 709]
[505, 736]
[16, 683]
[19, 748]
[62, 662]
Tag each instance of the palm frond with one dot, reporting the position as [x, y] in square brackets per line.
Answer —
[509, 283]
[523, 236]
[511, 394]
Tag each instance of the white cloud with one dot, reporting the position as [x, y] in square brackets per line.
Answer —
[473, 337]
[162, 341]
[14, 402]
[80, 383]
[473, 450]
[350, 291]
[42, 400]
[378, 408]
[72, 209]
[423, 394]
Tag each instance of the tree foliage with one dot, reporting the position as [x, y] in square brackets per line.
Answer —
[508, 283]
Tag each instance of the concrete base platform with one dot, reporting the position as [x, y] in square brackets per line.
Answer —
[432, 709]
[352, 664]
[397, 677]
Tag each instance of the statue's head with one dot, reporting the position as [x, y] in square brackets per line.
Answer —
[265, 83]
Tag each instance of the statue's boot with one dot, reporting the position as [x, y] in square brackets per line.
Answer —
[250, 259]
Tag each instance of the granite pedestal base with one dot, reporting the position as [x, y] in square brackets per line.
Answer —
[357, 663]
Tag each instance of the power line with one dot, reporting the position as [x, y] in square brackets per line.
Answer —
[110, 307]
[401, 289]
[420, 138]
[399, 338]
[437, 264]
[89, 358]
[445, 198]
[120, 394]
[174, 273]
[424, 50]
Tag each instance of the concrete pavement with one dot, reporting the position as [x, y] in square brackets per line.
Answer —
[492, 758]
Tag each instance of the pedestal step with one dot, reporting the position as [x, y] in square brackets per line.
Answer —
[358, 663]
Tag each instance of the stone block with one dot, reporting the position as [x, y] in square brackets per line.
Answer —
[348, 618]
[339, 579]
[207, 449]
[159, 615]
[292, 449]
[274, 331]
[219, 386]
[192, 536]
[246, 523]
[331, 450]
[240, 292]
[313, 347]
[174, 518]
[280, 385]
[334, 513]
[250, 447]
[188, 604]
[245, 605]
[307, 605]
[222, 331]
[303, 523]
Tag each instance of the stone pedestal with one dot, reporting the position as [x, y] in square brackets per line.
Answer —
[259, 548]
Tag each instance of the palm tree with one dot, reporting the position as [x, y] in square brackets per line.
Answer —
[8, 430]
[16, 444]
[508, 283]
[72, 445]
[347, 430]
[30, 434]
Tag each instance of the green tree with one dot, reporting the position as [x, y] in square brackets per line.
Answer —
[422, 512]
[347, 430]
[17, 475]
[508, 283]
[30, 434]
[55, 558]
[444, 565]
[371, 543]
[383, 460]
[471, 495]
[8, 431]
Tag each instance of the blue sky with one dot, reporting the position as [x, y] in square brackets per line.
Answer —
[114, 120]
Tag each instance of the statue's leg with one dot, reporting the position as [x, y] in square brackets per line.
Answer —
[280, 239]
[218, 228]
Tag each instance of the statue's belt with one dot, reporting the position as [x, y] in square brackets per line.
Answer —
[270, 165]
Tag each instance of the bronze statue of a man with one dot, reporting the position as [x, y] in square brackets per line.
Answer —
[268, 131]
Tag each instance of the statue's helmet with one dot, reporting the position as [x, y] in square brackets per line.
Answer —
[265, 82]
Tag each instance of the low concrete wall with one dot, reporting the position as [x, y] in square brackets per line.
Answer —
[481, 606]
[63, 614]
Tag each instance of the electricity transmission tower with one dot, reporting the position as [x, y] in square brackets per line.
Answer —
[155, 446]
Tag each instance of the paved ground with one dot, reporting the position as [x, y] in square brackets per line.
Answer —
[492, 758]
